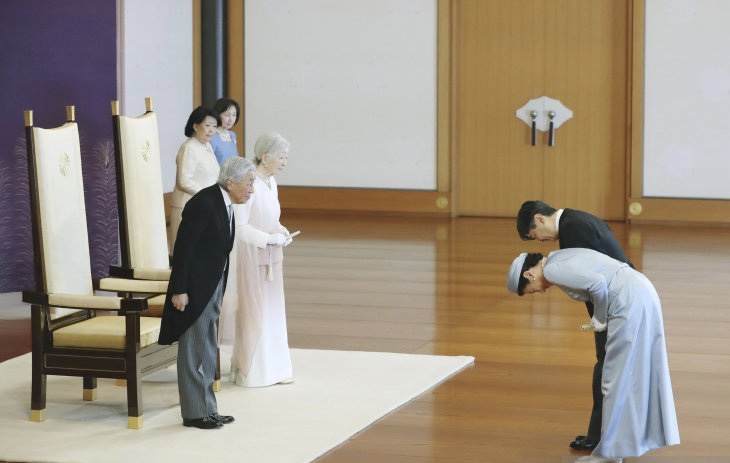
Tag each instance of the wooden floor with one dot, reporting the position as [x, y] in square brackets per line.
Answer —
[437, 286]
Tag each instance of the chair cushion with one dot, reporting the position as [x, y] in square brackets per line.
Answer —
[152, 273]
[105, 332]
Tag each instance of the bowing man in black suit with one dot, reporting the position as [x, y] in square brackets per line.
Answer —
[197, 282]
[537, 220]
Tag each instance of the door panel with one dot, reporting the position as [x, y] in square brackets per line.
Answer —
[510, 52]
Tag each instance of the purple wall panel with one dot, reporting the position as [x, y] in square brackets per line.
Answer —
[56, 53]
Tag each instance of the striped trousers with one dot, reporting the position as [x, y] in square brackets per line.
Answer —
[197, 361]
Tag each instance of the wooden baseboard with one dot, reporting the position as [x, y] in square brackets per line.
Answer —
[357, 200]
[365, 200]
[670, 210]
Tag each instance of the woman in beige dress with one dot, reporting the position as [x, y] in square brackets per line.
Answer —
[197, 166]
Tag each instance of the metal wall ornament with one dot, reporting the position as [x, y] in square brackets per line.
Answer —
[544, 114]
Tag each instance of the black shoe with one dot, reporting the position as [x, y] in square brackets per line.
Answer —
[202, 423]
[222, 419]
[585, 443]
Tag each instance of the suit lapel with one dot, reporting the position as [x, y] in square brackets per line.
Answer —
[226, 223]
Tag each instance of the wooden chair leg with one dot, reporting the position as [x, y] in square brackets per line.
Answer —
[38, 398]
[134, 401]
[90, 388]
[38, 381]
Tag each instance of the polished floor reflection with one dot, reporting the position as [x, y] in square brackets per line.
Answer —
[437, 286]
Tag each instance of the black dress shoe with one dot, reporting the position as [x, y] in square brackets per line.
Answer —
[585, 443]
[202, 423]
[222, 419]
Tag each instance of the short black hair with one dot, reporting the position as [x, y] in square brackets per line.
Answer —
[530, 261]
[222, 104]
[526, 216]
[197, 116]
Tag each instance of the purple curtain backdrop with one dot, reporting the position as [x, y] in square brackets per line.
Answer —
[56, 53]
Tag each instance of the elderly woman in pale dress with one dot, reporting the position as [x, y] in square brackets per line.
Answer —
[197, 166]
[253, 317]
[638, 405]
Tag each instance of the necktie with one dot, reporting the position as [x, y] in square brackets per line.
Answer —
[230, 217]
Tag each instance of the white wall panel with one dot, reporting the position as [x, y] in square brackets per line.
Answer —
[687, 96]
[351, 84]
[156, 60]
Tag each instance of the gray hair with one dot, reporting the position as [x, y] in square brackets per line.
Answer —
[269, 143]
[234, 169]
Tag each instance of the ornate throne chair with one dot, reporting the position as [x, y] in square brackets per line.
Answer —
[70, 336]
[142, 225]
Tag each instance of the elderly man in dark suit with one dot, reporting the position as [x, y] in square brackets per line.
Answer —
[197, 282]
[537, 220]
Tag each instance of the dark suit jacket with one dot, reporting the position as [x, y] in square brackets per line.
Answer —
[204, 241]
[578, 229]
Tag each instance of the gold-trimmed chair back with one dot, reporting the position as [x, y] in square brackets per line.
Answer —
[142, 225]
[65, 265]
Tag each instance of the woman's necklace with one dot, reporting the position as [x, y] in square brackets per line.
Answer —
[542, 262]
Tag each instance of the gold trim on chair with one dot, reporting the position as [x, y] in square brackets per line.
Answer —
[38, 416]
[135, 422]
[89, 395]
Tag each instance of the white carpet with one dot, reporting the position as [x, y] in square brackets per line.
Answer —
[335, 395]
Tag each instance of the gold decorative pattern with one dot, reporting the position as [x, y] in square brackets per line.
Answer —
[146, 150]
[64, 164]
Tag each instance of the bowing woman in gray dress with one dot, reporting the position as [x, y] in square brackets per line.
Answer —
[638, 405]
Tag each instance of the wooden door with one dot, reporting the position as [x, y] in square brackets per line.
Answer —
[508, 52]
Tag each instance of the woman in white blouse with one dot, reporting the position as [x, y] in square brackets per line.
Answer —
[197, 166]
[253, 316]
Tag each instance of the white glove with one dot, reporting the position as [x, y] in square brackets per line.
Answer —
[598, 326]
[277, 239]
[285, 232]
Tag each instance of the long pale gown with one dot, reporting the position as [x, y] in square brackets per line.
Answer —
[253, 315]
[638, 404]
